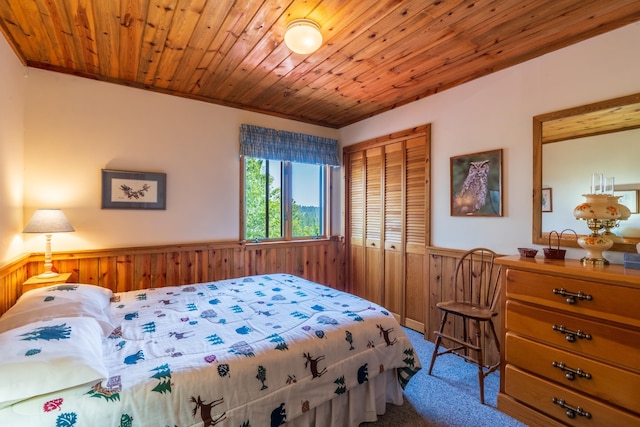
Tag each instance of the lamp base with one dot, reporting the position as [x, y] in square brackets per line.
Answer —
[593, 261]
[594, 245]
[47, 275]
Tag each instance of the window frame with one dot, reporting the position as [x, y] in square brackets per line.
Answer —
[286, 189]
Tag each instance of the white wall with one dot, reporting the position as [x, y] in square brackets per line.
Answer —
[75, 127]
[12, 102]
[496, 112]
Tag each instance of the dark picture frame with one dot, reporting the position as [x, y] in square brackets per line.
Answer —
[547, 200]
[476, 184]
[133, 190]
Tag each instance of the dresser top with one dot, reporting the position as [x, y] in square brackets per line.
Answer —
[613, 273]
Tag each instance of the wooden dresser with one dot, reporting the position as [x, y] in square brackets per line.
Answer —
[570, 343]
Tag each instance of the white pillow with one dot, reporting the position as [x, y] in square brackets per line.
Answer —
[100, 295]
[63, 300]
[48, 356]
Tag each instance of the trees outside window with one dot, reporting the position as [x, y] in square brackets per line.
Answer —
[283, 200]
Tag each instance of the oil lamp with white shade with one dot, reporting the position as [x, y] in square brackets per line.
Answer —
[596, 211]
[600, 211]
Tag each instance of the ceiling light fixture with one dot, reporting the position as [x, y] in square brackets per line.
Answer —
[303, 36]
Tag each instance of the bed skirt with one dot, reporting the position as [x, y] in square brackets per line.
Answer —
[362, 404]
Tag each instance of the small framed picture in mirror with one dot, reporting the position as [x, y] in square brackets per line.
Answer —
[547, 201]
[629, 198]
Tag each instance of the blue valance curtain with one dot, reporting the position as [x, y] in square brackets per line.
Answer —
[272, 144]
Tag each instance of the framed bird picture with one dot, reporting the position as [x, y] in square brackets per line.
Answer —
[133, 190]
[476, 184]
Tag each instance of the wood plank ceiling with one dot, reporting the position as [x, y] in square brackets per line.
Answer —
[376, 55]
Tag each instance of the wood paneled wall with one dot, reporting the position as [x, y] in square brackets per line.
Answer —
[442, 266]
[128, 269]
[12, 275]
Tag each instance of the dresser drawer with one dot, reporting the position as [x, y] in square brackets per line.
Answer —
[607, 301]
[540, 394]
[615, 385]
[606, 342]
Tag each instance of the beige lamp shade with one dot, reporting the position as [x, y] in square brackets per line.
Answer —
[303, 36]
[47, 221]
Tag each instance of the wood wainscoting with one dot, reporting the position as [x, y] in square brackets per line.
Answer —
[442, 265]
[126, 269]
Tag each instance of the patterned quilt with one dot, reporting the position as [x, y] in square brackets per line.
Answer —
[254, 351]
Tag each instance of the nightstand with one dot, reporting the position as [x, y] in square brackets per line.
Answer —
[34, 282]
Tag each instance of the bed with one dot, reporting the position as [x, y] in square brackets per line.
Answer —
[255, 351]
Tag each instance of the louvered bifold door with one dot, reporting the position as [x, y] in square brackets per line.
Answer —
[373, 226]
[393, 228]
[387, 221]
[355, 187]
[417, 154]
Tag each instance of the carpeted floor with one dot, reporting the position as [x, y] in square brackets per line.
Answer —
[448, 398]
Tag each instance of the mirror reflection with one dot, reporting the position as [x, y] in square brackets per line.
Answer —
[567, 168]
[569, 146]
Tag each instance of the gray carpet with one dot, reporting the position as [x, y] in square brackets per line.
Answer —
[448, 398]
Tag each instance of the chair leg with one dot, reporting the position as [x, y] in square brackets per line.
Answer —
[481, 383]
[465, 335]
[435, 354]
[438, 341]
[480, 361]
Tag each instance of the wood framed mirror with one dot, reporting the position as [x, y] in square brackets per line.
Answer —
[585, 140]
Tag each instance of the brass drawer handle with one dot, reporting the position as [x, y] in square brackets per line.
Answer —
[570, 373]
[570, 412]
[570, 335]
[572, 296]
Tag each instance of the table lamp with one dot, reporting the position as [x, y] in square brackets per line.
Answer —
[48, 221]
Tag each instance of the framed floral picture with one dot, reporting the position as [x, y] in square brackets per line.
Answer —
[476, 184]
[133, 190]
[547, 201]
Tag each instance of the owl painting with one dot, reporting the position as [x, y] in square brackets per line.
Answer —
[473, 195]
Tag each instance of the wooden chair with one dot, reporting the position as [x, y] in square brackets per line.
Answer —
[477, 290]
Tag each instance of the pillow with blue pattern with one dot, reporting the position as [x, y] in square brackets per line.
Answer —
[48, 356]
[62, 300]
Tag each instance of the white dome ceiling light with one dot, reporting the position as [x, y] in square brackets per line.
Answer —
[303, 36]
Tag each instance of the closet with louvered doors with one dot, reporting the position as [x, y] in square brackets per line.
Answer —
[387, 221]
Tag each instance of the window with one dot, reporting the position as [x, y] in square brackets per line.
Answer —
[284, 183]
[283, 200]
